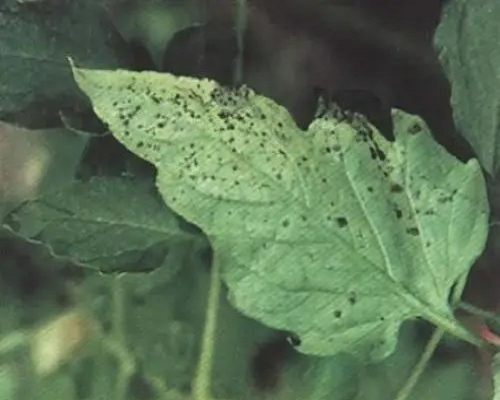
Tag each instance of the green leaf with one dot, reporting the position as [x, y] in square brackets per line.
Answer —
[33, 162]
[36, 82]
[467, 44]
[106, 224]
[334, 234]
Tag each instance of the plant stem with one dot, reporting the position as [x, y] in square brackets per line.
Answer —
[422, 363]
[201, 385]
[487, 315]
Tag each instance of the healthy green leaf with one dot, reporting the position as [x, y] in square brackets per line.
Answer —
[107, 224]
[35, 81]
[334, 234]
[467, 44]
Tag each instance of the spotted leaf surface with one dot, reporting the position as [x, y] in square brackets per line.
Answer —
[334, 234]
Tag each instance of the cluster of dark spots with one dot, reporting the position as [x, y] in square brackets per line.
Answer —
[178, 100]
[224, 114]
[125, 119]
[396, 188]
[155, 99]
[130, 86]
[226, 97]
[376, 153]
[445, 199]
[415, 128]
[413, 231]
[237, 116]
[342, 222]
[134, 112]
[353, 298]
[151, 95]
[429, 212]
[337, 313]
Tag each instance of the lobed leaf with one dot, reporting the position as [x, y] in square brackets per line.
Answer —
[334, 234]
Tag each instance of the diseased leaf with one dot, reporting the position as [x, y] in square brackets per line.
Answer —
[107, 224]
[334, 234]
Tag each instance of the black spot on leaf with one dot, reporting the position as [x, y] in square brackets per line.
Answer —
[413, 231]
[415, 128]
[396, 188]
[342, 222]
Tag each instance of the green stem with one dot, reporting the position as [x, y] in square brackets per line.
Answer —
[487, 315]
[433, 342]
[201, 385]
